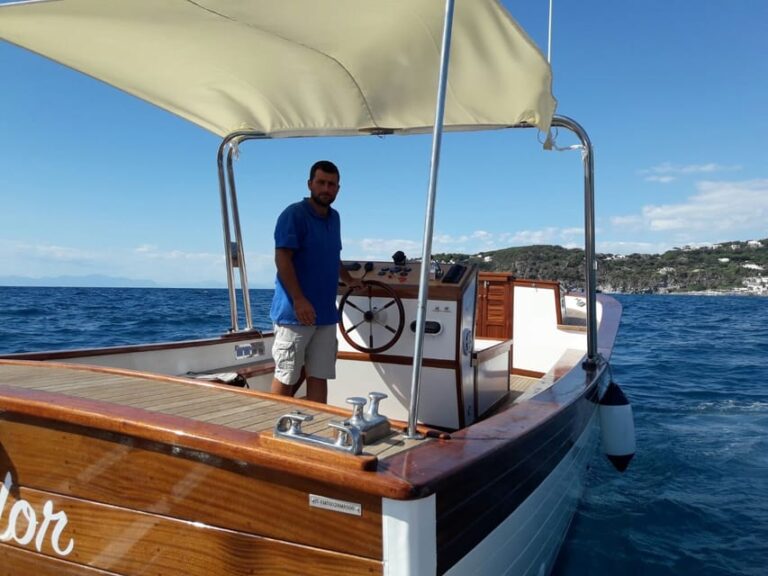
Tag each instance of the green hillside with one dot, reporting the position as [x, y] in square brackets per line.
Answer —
[721, 267]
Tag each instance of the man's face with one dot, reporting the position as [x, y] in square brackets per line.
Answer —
[324, 187]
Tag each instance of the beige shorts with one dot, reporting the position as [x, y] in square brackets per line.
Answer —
[311, 347]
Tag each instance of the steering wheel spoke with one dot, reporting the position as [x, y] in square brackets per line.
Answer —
[353, 328]
[353, 305]
[387, 305]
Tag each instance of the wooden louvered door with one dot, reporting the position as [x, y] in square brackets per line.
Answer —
[494, 305]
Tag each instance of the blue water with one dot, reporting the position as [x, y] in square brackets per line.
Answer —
[695, 498]
[38, 319]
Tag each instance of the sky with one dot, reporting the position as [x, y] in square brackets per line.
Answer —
[672, 94]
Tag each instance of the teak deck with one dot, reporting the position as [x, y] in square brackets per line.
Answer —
[123, 392]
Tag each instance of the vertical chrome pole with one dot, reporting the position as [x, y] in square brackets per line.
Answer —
[590, 263]
[239, 136]
[239, 240]
[549, 35]
[429, 221]
[227, 235]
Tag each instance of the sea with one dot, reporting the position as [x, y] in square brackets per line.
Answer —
[694, 500]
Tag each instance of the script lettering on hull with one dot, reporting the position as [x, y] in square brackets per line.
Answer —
[23, 524]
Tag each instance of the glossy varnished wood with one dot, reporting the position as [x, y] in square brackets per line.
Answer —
[233, 338]
[493, 318]
[129, 542]
[234, 435]
[18, 562]
[184, 484]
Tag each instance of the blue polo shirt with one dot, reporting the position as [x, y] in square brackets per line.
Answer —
[316, 244]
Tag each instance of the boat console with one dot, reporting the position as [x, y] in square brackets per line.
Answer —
[377, 329]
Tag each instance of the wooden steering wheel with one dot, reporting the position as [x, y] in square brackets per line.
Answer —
[370, 316]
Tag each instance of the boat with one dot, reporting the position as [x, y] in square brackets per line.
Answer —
[465, 411]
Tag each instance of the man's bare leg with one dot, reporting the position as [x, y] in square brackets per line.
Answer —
[282, 389]
[285, 389]
[317, 389]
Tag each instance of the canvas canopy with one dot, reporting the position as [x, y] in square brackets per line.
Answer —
[298, 67]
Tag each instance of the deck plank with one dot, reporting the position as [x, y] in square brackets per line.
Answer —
[111, 392]
[162, 394]
[261, 420]
[215, 405]
[215, 417]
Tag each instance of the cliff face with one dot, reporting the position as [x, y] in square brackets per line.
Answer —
[728, 267]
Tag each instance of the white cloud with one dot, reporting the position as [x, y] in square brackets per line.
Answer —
[380, 248]
[661, 179]
[718, 206]
[574, 232]
[146, 262]
[634, 222]
[730, 210]
[469, 243]
[50, 253]
[667, 172]
[481, 235]
[152, 252]
[146, 249]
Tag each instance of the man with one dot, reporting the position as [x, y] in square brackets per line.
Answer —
[308, 260]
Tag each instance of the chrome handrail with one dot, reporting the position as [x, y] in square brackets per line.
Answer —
[590, 259]
[239, 241]
[227, 141]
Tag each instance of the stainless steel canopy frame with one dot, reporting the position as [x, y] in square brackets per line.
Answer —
[228, 197]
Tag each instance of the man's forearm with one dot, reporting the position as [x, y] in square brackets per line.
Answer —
[287, 274]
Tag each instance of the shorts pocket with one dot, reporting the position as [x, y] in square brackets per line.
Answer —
[284, 354]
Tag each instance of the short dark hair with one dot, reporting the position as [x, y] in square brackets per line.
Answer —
[324, 165]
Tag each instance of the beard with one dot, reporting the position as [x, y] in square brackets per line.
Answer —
[322, 199]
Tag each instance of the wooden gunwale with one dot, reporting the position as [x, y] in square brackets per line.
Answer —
[116, 350]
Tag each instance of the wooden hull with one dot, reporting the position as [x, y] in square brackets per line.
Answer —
[109, 471]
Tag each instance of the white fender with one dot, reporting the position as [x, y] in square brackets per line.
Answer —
[617, 427]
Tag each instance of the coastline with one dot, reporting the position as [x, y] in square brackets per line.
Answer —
[741, 293]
